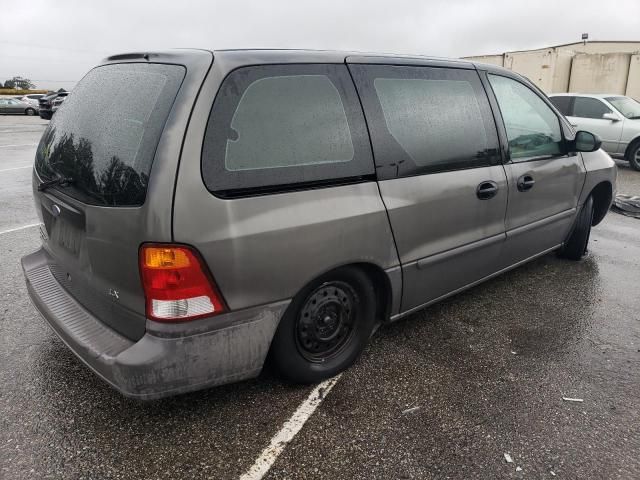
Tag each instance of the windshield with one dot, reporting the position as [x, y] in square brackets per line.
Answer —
[104, 136]
[626, 106]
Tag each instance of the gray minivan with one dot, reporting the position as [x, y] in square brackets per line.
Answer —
[204, 211]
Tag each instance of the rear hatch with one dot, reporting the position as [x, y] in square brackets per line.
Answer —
[45, 102]
[104, 141]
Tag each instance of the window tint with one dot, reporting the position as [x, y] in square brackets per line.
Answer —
[533, 129]
[288, 121]
[586, 107]
[562, 103]
[280, 125]
[105, 135]
[425, 119]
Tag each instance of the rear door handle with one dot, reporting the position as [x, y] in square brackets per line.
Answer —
[487, 190]
[525, 183]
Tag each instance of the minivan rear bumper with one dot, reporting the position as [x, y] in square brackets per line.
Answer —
[170, 358]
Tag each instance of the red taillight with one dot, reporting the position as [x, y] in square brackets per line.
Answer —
[177, 286]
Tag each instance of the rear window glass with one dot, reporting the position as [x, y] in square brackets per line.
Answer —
[562, 104]
[104, 136]
[423, 116]
[586, 107]
[426, 120]
[281, 125]
[289, 121]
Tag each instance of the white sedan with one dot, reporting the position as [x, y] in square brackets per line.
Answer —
[614, 118]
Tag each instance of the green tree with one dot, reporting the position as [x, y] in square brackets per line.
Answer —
[20, 83]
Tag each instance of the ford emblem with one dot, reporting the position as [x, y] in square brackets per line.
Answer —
[55, 210]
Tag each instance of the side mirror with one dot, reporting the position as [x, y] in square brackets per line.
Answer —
[611, 116]
[587, 142]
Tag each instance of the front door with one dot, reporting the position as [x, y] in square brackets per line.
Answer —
[440, 176]
[544, 179]
[14, 106]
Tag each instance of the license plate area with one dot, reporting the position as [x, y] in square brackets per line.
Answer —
[66, 236]
[64, 224]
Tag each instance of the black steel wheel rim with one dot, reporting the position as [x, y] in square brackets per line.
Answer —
[326, 321]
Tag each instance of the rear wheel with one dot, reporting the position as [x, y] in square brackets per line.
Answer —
[30, 111]
[576, 246]
[326, 327]
[634, 157]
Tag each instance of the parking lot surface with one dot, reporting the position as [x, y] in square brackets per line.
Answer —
[444, 393]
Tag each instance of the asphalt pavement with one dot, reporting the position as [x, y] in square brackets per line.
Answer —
[442, 394]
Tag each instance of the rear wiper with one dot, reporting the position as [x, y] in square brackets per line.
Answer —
[60, 180]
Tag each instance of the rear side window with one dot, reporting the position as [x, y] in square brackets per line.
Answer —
[426, 120]
[563, 104]
[533, 129]
[586, 107]
[104, 136]
[281, 126]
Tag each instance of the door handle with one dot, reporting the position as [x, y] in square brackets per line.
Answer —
[525, 183]
[487, 190]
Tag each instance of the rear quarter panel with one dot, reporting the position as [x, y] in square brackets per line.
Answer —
[266, 248]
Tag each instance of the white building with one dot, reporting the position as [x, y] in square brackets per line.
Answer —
[594, 67]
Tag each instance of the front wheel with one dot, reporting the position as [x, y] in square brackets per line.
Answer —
[30, 111]
[576, 246]
[326, 327]
[634, 157]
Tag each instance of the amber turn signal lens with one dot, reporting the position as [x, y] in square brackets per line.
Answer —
[158, 257]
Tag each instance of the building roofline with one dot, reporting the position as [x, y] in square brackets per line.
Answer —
[551, 47]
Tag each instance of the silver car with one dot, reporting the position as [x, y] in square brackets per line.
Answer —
[232, 206]
[32, 99]
[15, 106]
[614, 118]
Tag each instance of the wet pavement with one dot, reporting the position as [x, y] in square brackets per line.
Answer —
[478, 375]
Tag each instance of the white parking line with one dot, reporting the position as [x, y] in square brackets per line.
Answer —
[15, 168]
[289, 430]
[20, 145]
[20, 228]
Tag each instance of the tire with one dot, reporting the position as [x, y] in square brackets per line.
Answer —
[575, 248]
[45, 116]
[634, 157]
[326, 327]
[30, 111]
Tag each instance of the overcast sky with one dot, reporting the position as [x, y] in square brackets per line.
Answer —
[54, 42]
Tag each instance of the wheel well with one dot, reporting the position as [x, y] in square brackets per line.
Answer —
[602, 196]
[630, 147]
[382, 286]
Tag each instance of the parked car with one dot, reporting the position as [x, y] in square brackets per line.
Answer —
[32, 99]
[615, 118]
[50, 103]
[296, 201]
[11, 105]
[57, 102]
